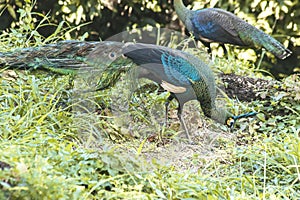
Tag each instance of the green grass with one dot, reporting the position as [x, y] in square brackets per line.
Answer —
[56, 153]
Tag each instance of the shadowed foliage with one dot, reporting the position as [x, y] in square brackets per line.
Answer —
[106, 18]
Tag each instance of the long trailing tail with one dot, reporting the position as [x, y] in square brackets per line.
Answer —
[102, 60]
[65, 57]
[272, 45]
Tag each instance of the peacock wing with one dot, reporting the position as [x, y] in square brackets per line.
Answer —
[179, 70]
[216, 25]
[163, 65]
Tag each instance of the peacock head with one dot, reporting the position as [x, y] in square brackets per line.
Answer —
[224, 117]
[230, 121]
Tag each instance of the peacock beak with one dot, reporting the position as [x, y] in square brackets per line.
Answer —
[230, 122]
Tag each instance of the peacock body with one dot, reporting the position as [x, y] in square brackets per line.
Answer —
[217, 25]
[185, 76]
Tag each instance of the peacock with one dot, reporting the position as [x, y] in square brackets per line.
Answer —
[184, 75]
[218, 25]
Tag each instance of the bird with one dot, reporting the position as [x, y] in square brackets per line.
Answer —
[220, 26]
[184, 75]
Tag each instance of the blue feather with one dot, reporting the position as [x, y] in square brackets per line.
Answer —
[178, 69]
[205, 29]
[217, 25]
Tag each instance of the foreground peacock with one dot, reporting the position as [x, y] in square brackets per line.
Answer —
[185, 76]
[217, 25]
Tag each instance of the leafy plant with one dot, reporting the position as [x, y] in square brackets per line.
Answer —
[48, 151]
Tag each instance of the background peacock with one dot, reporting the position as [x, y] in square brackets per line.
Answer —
[217, 25]
[185, 76]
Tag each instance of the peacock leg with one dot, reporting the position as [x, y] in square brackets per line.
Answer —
[182, 122]
[207, 45]
[169, 99]
[224, 49]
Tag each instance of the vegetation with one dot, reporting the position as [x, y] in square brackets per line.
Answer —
[105, 18]
[50, 151]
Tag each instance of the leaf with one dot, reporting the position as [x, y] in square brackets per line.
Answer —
[279, 96]
[297, 97]
[11, 11]
[9, 75]
[261, 117]
[139, 150]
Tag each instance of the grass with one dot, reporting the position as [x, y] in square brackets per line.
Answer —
[56, 153]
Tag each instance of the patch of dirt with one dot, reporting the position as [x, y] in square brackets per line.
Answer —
[246, 88]
[209, 141]
[184, 156]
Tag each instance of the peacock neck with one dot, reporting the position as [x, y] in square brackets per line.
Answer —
[218, 114]
[181, 10]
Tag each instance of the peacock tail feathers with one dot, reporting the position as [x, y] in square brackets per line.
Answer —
[63, 57]
[60, 55]
[258, 38]
[102, 60]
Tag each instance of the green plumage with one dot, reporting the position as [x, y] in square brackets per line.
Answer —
[217, 25]
[185, 76]
[71, 57]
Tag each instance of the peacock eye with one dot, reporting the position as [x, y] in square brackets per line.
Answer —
[112, 55]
